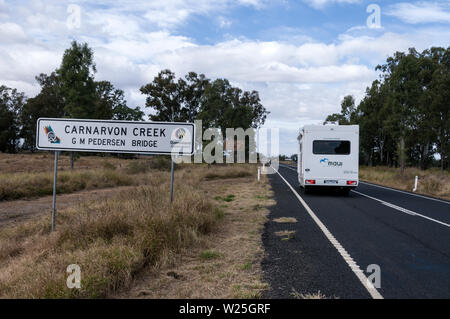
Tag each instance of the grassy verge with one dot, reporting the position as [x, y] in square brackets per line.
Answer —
[112, 241]
[43, 162]
[24, 185]
[225, 263]
[431, 182]
[117, 241]
[20, 185]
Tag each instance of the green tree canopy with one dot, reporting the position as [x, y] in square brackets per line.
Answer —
[405, 115]
[48, 103]
[76, 74]
[11, 104]
[110, 103]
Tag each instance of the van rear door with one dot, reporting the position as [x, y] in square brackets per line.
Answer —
[333, 161]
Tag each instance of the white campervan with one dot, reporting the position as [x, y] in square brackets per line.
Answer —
[328, 156]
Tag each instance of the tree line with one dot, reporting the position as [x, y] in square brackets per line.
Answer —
[404, 117]
[71, 91]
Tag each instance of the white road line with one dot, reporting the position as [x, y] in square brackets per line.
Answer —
[403, 210]
[407, 193]
[345, 255]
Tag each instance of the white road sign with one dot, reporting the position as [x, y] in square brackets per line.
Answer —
[115, 136]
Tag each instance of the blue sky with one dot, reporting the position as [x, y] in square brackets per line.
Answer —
[302, 56]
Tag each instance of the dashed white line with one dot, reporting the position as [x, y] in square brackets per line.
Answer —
[345, 255]
[407, 193]
[403, 210]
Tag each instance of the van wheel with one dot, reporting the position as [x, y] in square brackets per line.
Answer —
[306, 190]
[345, 191]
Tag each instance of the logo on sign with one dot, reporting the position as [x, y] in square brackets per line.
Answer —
[180, 133]
[180, 137]
[52, 138]
[328, 163]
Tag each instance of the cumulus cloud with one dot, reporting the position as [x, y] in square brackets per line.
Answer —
[421, 12]
[318, 4]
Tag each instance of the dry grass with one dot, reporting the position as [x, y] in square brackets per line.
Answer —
[222, 172]
[226, 263]
[112, 241]
[431, 182]
[111, 173]
[285, 234]
[119, 240]
[285, 220]
[43, 162]
[20, 185]
[317, 295]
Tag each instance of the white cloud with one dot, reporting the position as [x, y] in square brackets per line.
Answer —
[223, 22]
[421, 12]
[168, 14]
[11, 32]
[318, 4]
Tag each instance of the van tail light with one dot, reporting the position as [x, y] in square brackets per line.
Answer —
[310, 181]
[352, 182]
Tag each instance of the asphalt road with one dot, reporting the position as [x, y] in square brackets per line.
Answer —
[406, 235]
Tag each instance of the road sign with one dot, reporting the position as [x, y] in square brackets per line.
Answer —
[115, 136]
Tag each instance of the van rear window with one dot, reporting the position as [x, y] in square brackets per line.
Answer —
[331, 147]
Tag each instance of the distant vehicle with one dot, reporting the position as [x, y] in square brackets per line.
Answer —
[328, 156]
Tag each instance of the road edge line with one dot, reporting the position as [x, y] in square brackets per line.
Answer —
[341, 250]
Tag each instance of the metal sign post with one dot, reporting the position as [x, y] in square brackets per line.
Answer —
[55, 175]
[171, 181]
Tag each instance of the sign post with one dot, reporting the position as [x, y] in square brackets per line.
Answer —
[55, 175]
[171, 180]
[79, 135]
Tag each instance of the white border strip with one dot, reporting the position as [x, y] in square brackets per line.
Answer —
[348, 259]
[403, 210]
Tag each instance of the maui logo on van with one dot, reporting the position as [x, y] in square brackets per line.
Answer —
[328, 163]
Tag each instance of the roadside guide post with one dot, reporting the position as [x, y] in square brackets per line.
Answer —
[134, 137]
[55, 175]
